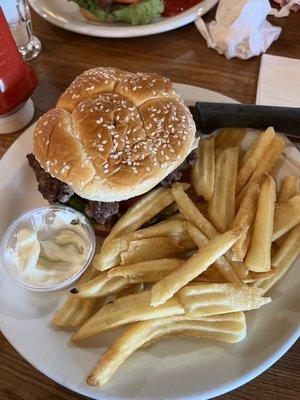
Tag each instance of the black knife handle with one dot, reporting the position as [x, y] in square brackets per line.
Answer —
[212, 116]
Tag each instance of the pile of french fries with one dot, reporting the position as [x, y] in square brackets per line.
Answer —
[198, 271]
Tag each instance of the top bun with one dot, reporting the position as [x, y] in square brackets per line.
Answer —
[114, 134]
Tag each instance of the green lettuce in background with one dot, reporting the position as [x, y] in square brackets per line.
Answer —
[134, 14]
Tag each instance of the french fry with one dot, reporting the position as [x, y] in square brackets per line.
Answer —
[171, 228]
[253, 157]
[175, 216]
[283, 259]
[76, 311]
[260, 276]
[269, 160]
[110, 256]
[258, 258]
[202, 206]
[230, 328]
[102, 285]
[211, 275]
[265, 165]
[150, 249]
[239, 267]
[193, 215]
[229, 137]
[131, 289]
[147, 271]
[126, 310]
[245, 217]
[202, 174]
[195, 265]
[221, 264]
[221, 208]
[286, 216]
[202, 299]
[289, 188]
[142, 211]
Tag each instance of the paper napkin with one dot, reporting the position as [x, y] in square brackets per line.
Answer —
[240, 28]
[286, 6]
[279, 81]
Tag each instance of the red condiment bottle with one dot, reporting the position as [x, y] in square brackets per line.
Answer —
[17, 83]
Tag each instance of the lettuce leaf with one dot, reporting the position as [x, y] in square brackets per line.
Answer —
[134, 14]
[139, 13]
[100, 13]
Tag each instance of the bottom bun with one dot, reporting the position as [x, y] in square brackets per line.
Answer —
[88, 15]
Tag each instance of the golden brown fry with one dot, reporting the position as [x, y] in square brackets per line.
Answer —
[269, 160]
[201, 299]
[229, 137]
[265, 165]
[238, 266]
[221, 265]
[147, 271]
[202, 206]
[286, 216]
[221, 208]
[172, 227]
[289, 188]
[245, 217]
[110, 256]
[175, 216]
[253, 157]
[132, 289]
[102, 285]
[258, 257]
[232, 271]
[260, 276]
[202, 175]
[193, 215]
[150, 249]
[195, 265]
[76, 311]
[210, 275]
[230, 328]
[283, 259]
[126, 310]
[142, 211]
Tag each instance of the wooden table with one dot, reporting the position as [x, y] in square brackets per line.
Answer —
[182, 56]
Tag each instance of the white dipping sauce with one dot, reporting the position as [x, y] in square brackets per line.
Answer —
[51, 254]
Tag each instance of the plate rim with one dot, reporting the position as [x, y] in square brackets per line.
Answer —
[225, 388]
[165, 25]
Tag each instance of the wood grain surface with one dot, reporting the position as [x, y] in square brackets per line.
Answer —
[181, 55]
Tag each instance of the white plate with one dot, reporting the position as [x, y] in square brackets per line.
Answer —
[174, 369]
[67, 15]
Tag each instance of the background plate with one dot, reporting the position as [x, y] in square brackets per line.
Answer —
[66, 15]
[171, 369]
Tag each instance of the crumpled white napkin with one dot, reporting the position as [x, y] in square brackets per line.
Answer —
[240, 28]
[286, 6]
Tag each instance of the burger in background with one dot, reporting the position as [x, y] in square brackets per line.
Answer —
[134, 12]
[113, 136]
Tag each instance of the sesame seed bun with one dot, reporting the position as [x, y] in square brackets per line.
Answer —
[114, 135]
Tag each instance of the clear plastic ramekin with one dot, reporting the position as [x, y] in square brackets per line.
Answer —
[33, 219]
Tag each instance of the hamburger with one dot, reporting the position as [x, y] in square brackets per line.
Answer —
[112, 137]
[134, 12]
